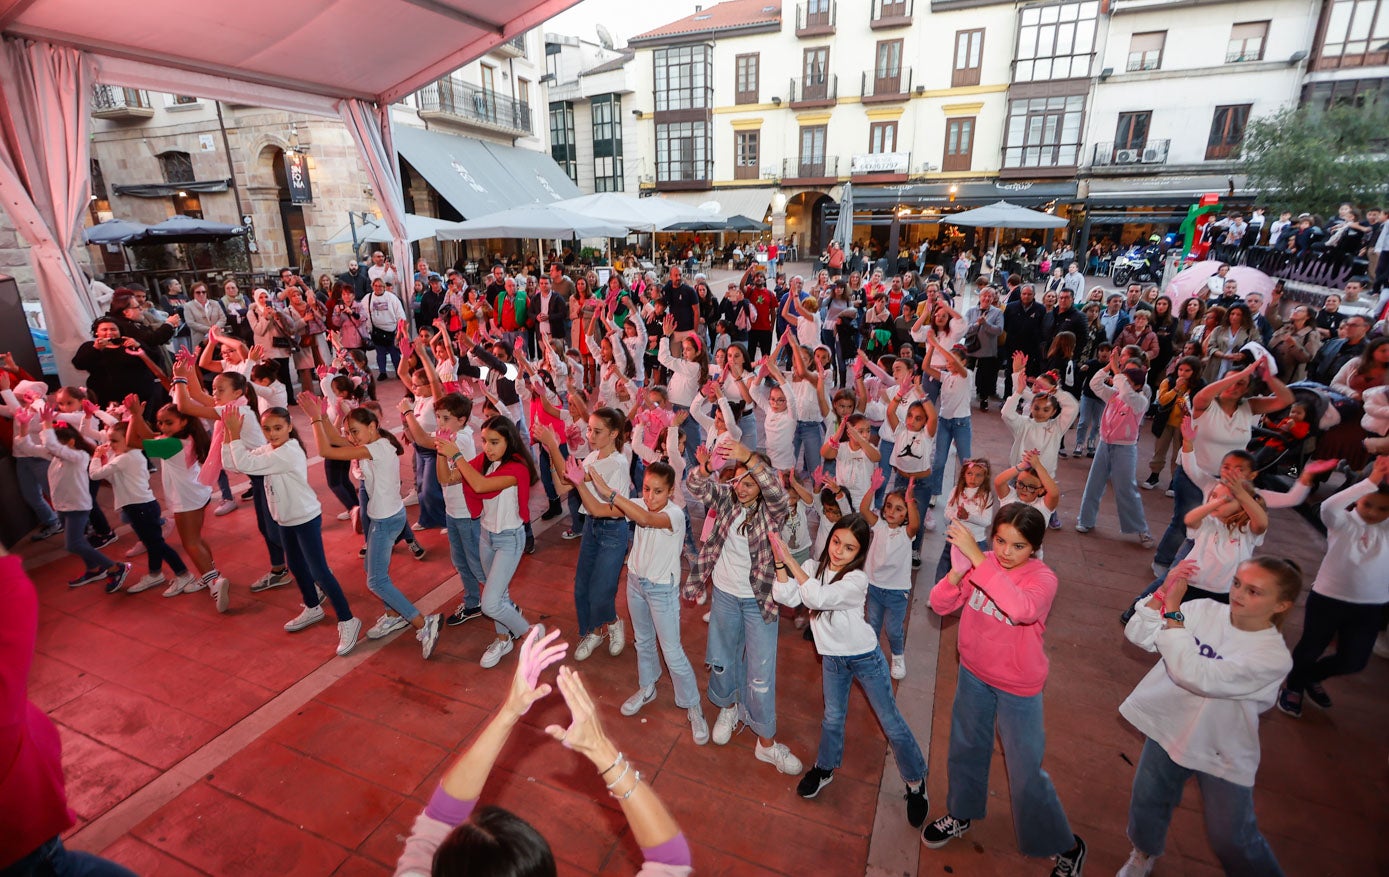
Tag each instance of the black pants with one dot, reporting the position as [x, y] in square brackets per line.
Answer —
[986, 377]
[759, 342]
[284, 373]
[1354, 626]
[1033, 368]
[1381, 272]
[144, 520]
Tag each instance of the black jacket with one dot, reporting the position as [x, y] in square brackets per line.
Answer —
[360, 283]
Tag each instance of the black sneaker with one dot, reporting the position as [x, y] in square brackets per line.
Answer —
[362, 552]
[814, 780]
[943, 831]
[983, 404]
[1090, 453]
[552, 512]
[45, 532]
[1152, 481]
[462, 614]
[1290, 702]
[116, 578]
[916, 560]
[1317, 695]
[530, 543]
[1127, 614]
[916, 804]
[101, 540]
[418, 550]
[248, 494]
[1069, 864]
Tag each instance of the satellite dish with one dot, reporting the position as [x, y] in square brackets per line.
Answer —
[604, 37]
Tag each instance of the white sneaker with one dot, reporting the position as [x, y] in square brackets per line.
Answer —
[182, 584]
[304, 618]
[706, 617]
[344, 516]
[499, 649]
[271, 580]
[778, 755]
[221, 593]
[386, 625]
[135, 550]
[412, 498]
[617, 637]
[899, 666]
[586, 645]
[633, 704]
[225, 507]
[418, 527]
[928, 520]
[725, 723]
[347, 635]
[153, 580]
[1138, 865]
[698, 727]
[428, 635]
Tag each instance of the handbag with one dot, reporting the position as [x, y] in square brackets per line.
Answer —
[382, 337]
[971, 341]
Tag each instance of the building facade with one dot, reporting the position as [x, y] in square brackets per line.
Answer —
[591, 126]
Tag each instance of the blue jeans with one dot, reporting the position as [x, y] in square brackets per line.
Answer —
[948, 429]
[870, 669]
[1229, 810]
[1088, 423]
[601, 554]
[52, 859]
[391, 353]
[431, 492]
[97, 521]
[1039, 823]
[748, 425]
[500, 554]
[381, 535]
[741, 655]
[806, 442]
[1116, 466]
[338, 474]
[542, 462]
[655, 610]
[309, 565]
[465, 538]
[32, 474]
[885, 448]
[1187, 496]
[224, 483]
[269, 530]
[75, 541]
[693, 436]
[890, 605]
[144, 520]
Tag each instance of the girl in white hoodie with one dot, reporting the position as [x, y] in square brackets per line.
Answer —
[1199, 709]
[284, 466]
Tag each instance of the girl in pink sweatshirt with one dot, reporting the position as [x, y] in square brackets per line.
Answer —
[1004, 596]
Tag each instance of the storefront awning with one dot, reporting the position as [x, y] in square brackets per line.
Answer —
[479, 178]
[751, 202]
[1166, 191]
[166, 190]
[969, 194]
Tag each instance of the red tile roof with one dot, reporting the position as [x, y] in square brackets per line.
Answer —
[730, 15]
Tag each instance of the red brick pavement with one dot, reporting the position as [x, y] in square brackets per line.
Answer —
[205, 744]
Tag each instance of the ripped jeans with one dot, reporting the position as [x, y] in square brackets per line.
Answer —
[741, 655]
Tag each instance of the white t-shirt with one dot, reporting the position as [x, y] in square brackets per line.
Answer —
[381, 477]
[912, 452]
[503, 511]
[808, 330]
[796, 531]
[455, 503]
[179, 475]
[890, 557]
[1218, 552]
[424, 413]
[803, 400]
[853, 470]
[272, 395]
[733, 571]
[615, 469]
[655, 554]
[129, 476]
[954, 396]
[1218, 434]
[978, 519]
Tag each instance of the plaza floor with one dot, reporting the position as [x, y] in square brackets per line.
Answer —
[198, 743]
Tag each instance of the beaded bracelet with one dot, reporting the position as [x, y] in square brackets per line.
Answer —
[636, 782]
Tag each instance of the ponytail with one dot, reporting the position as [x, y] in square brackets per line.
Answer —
[366, 417]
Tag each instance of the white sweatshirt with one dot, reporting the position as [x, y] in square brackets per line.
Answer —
[286, 470]
[1202, 701]
[837, 620]
[68, 482]
[684, 376]
[129, 476]
[1356, 565]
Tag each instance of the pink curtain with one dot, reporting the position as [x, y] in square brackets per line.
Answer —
[45, 97]
[370, 125]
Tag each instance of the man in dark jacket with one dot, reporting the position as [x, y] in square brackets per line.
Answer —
[356, 278]
[430, 301]
[549, 312]
[1022, 322]
[1338, 351]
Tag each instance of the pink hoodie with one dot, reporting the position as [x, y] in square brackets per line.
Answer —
[1002, 623]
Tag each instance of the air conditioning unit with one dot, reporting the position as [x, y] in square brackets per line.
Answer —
[1126, 156]
[1152, 155]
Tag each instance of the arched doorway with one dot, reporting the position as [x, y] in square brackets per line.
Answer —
[291, 219]
[805, 222]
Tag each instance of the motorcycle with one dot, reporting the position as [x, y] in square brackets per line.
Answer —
[1134, 265]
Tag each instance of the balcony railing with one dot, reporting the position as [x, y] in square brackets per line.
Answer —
[816, 18]
[890, 13]
[1153, 152]
[516, 47]
[807, 93]
[876, 88]
[466, 101]
[824, 168]
[113, 102]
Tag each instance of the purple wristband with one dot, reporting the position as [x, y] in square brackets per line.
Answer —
[447, 809]
[675, 851]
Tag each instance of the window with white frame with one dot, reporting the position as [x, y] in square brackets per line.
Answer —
[1043, 132]
[1056, 41]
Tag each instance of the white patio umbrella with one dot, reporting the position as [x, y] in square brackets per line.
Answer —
[637, 214]
[1001, 215]
[533, 221]
[374, 231]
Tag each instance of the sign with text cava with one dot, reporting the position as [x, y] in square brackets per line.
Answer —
[878, 163]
